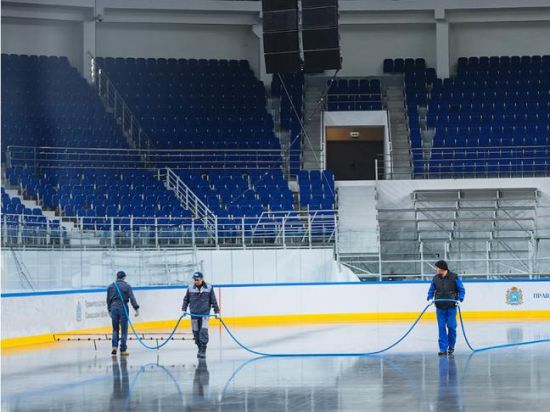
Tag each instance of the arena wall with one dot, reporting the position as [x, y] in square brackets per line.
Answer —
[29, 318]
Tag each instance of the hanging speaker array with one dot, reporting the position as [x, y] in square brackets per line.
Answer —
[281, 36]
[319, 36]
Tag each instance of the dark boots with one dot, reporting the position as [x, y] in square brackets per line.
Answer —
[202, 348]
[202, 352]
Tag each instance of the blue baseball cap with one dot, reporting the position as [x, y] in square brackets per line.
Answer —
[197, 275]
[120, 274]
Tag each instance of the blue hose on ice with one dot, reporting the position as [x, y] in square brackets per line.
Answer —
[290, 355]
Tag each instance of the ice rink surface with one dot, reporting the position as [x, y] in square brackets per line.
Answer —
[73, 376]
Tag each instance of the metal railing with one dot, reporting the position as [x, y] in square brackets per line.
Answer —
[188, 199]
[473, 268]
[270, 229]
[140, 139]
[196, 159]
[113, 99]
[469, 162]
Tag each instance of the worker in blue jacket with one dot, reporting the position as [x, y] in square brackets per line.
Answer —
[446, 285]
[200, 298]
[117, 313]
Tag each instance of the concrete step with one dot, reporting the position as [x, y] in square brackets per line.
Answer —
[32, 204]
[398, 116]
[399, 126]
[399, 120]
[400, 143]
[399, 131]
[394, 89]
[395, 99]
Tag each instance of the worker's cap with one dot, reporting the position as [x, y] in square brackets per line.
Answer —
[120, 274]
[197, 275]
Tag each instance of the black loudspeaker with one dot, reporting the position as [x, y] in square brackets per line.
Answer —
[322, 17]
[320, 37]
[280, 36]
[285, 20]
[277, 5]
[281, 42]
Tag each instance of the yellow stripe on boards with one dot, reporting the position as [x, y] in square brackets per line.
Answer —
[330, 318]
[285, 320]
[50, 337]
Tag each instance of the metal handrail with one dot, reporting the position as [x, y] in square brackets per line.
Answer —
[134, 121]
[504, 165]
[136, 151]
[188, 198]
[53, 157]
[275, 229]
[480, 148]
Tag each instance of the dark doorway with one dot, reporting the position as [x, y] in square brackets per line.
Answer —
[352, 151]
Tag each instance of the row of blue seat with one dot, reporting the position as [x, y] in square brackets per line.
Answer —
[182, 62]
[317, 189]
[402, 65]
[499, 62]
[214, 97]
[15, 213]
[504, 105]
[357, 86]
[50, 104]
[354, 106]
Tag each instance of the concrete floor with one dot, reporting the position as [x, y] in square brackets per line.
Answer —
[71, 376]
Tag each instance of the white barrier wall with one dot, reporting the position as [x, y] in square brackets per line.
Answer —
[77, 269]
[43, 313]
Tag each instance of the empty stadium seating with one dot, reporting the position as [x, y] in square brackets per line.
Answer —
[491, 119]
[237, 193]
[194, 104]
[131, 198]
[98, 193]
[45, 102]
[354, 94]
[406, 65]
[211, 104]
[21, 224]
[317, 189]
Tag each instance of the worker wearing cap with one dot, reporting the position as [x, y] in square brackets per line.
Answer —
[200, 298]
[117, 313]
[446, 285]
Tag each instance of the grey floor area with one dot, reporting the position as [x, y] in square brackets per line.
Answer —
[73, 376]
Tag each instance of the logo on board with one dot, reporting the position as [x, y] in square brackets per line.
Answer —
[78, 312]
[514, 296]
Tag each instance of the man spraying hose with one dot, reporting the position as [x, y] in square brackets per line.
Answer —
[446, 285]
[199, 298]
[117, 313]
